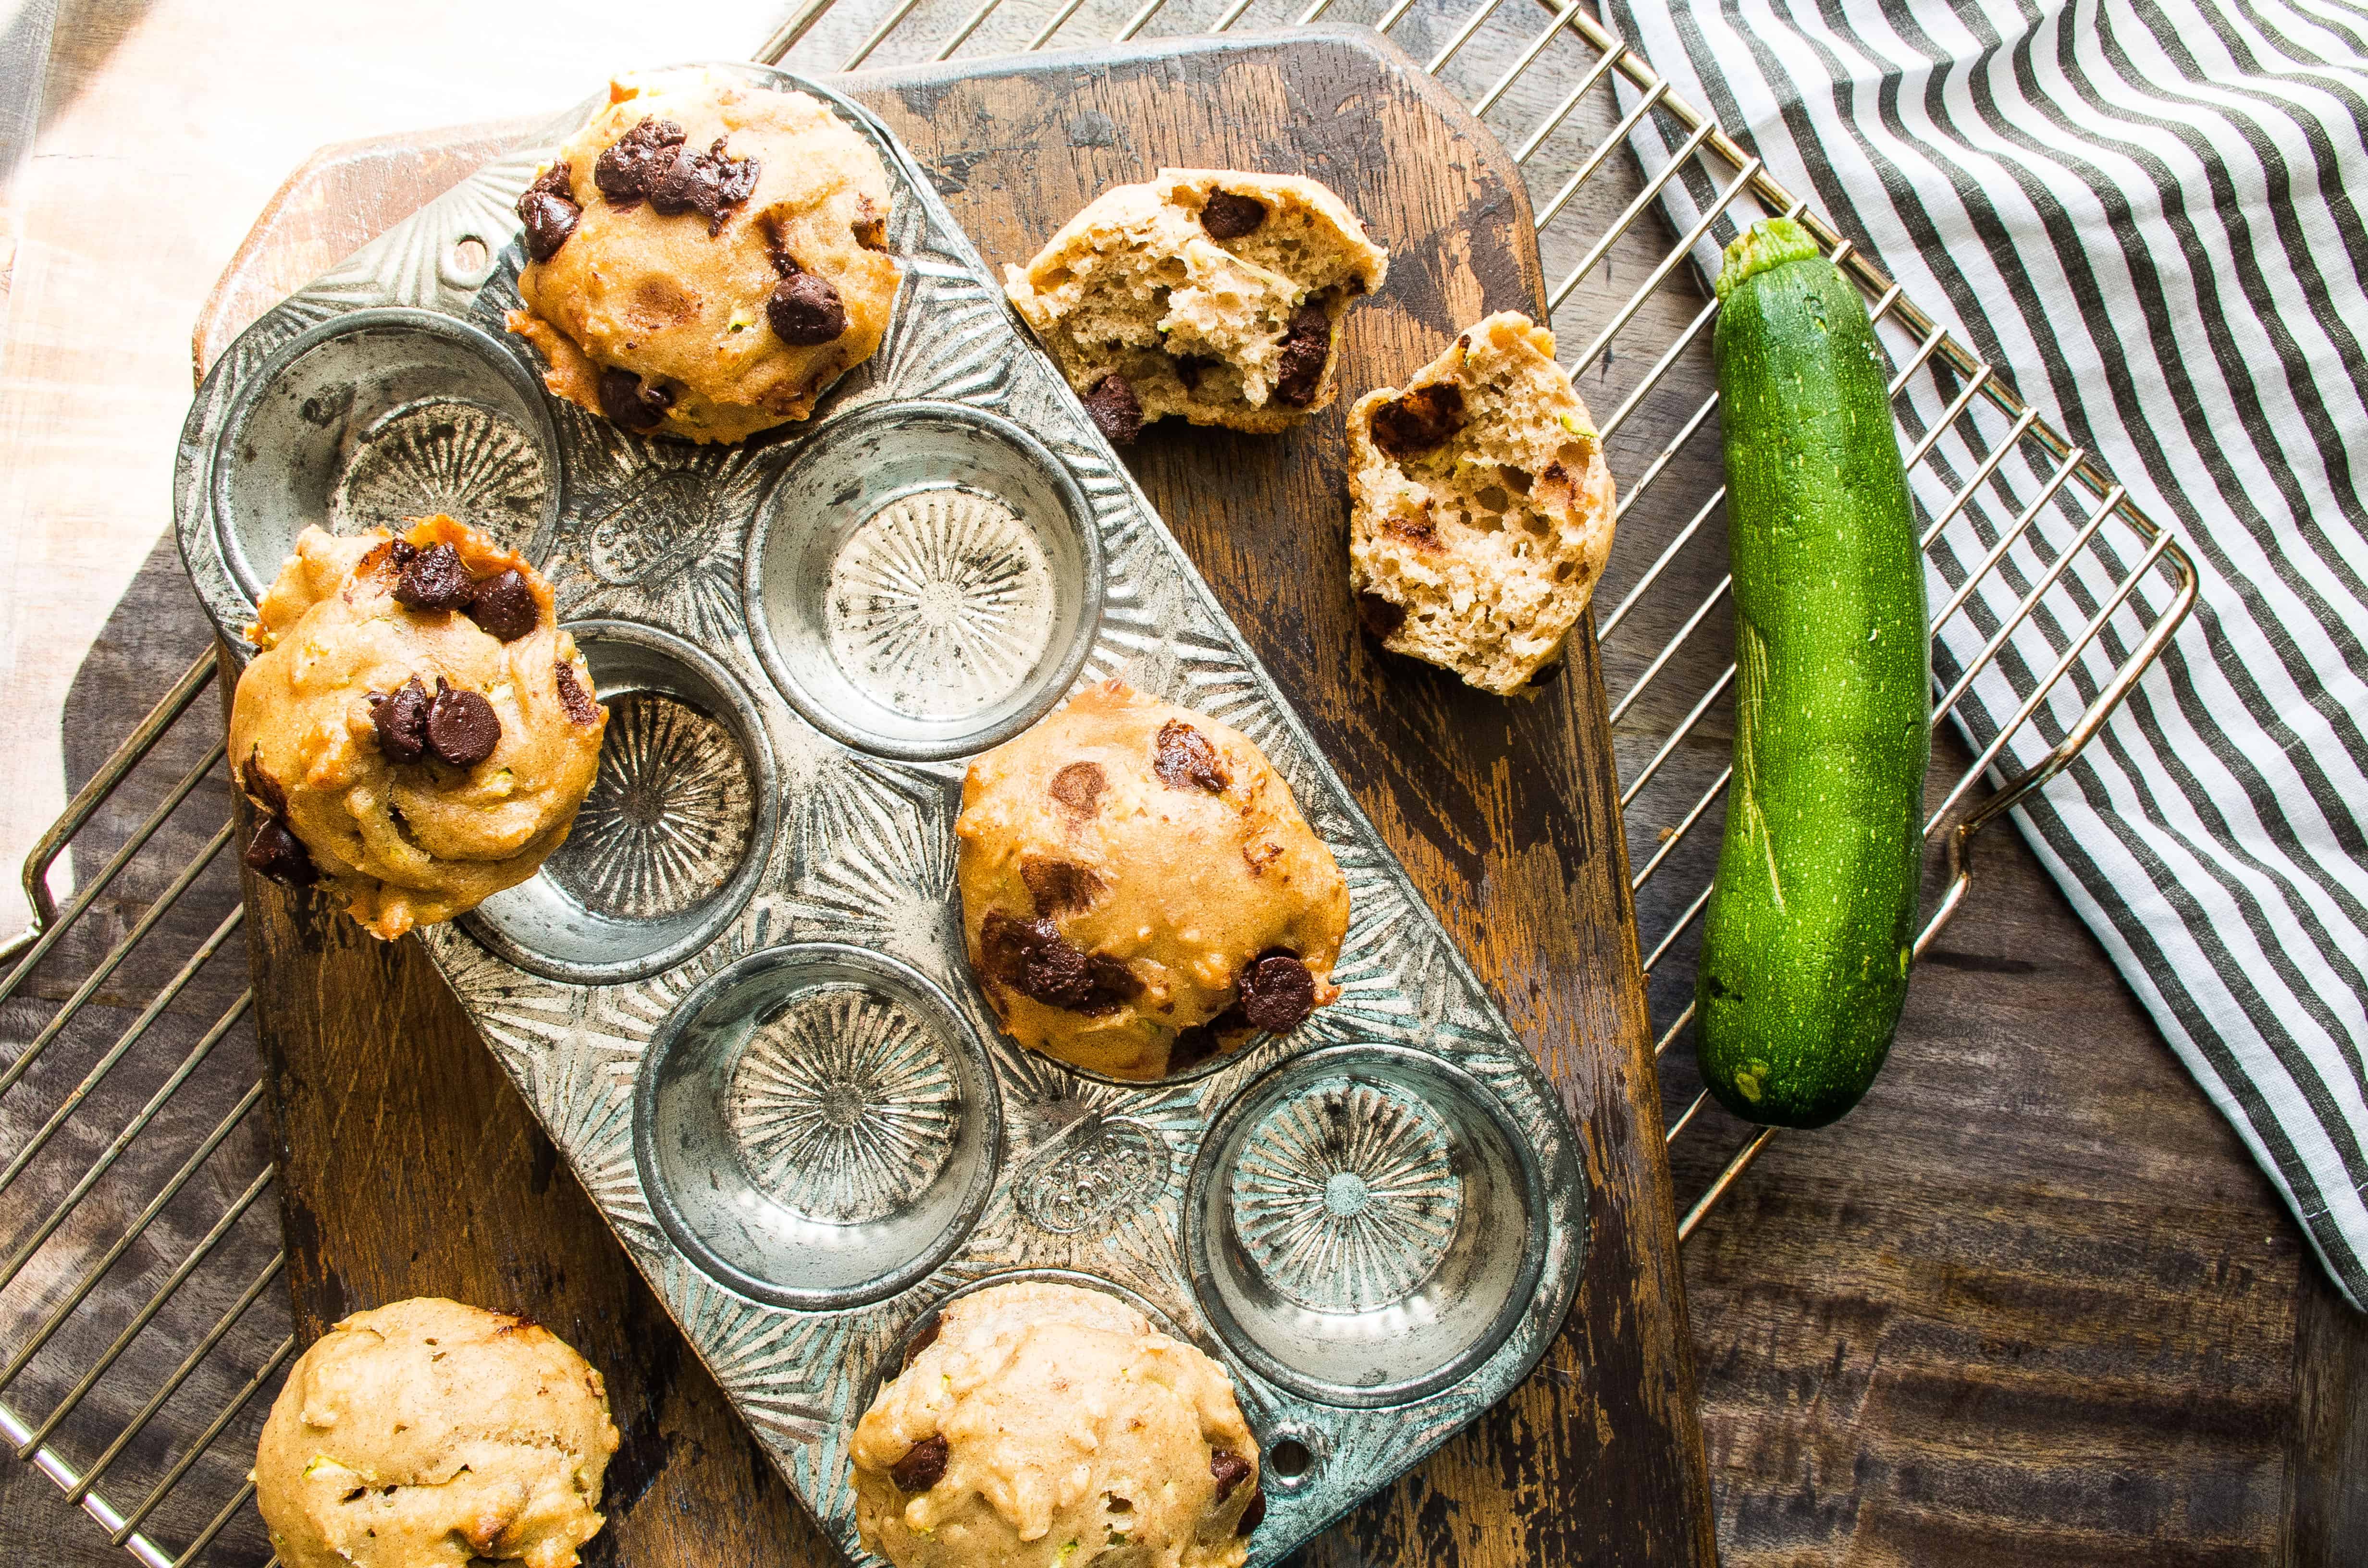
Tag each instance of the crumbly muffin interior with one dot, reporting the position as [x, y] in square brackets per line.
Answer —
[1483, 511]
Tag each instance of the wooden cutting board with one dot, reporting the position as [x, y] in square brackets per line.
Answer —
[409, 1167]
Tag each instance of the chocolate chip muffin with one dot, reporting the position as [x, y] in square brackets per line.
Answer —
[417, 732]
[428, 1432]
[1049, 1427]
[706, 256]
[1139, 890]
[1207, 293]
[1481, 509]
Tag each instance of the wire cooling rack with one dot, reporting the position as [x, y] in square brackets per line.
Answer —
[127, 1241]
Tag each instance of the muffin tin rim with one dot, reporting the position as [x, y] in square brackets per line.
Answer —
[543, 429]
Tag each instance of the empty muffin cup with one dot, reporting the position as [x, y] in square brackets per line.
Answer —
[376, 416]
[924, 581]
[1365, 1225]
[816, 1127]
[674, 833]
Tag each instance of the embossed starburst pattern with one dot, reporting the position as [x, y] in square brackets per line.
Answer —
[1346, 1196]
[845, 1106]
[667, 818]
[940, 604]
[442, 455]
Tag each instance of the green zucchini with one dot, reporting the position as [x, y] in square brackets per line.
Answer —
[1812, 915]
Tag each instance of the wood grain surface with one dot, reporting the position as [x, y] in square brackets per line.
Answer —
[408, 1165]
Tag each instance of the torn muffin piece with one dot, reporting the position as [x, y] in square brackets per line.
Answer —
[1139, 890]
[1209, 294]
[1481, 508]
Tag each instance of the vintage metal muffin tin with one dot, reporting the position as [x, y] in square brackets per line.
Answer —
[738, 996]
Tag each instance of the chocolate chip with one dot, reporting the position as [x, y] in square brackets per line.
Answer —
[548, 210]
[1228, 217]
[1034, 959]
[434, 579]
[1059, 885]
[280, 855]
[1115, 411]
[711, 184]
[806, 310]
[1253, 1516]
[1418, 421]
[923, 1466]
[581, 708]
[257, 781]
[402, 720]
[462, 728]
[1079, 786]
[1193, 1047]
[1191, 368]
[924, 1339]
[1185, 759]
[505, 606]
[1381, 617]
[1231, 1470]
[626, 399]
[633, 163]
[1306, 349]
[1277, 992]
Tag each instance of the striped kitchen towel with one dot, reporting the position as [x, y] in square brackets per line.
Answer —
[2154, 214]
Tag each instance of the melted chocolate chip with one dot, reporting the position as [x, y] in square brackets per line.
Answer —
[711, 184]
[433, 579]
[1277, 992]
[1253, 1516]
[633, 163]
[1185, 759]
[400, 717]
[1115, 411]
[1034, 959]
[635, 404]
[1306, 349]
[1192, 1046]
[1229, 217]
[505, 606]
[1230, 1470]
[581, 708]
[924, 1339]
[1418, 421]
[462, 728]
[923, 1466]
[280, 855]
[1191, 368]
[1381, 617]
[1079, 786]
[548, 210]
[257, 781]
[1061, 885]
[805, 311]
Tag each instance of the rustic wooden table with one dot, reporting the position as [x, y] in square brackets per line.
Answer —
[2031, 1305]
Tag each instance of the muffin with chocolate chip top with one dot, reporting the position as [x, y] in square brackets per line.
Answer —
[705, 257]
[1053, 1427]
[1139, 889]
[417, 732]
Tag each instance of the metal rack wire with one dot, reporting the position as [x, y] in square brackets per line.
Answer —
[2060, 595]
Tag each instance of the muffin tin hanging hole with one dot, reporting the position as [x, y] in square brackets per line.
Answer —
[816, 1126]
[1347, 1224]
[924, 581]
[674, 833]
[376, 416]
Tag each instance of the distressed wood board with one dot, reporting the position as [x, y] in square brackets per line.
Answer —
[409, 1167]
